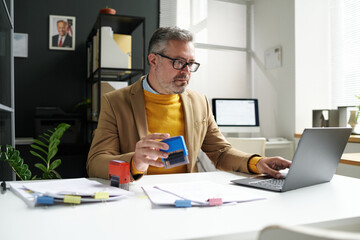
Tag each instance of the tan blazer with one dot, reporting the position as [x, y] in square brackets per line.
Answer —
[122, 123]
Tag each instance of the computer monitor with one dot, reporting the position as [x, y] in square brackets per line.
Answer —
[236, 115]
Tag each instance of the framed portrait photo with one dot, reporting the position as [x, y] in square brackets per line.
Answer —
[62, 32]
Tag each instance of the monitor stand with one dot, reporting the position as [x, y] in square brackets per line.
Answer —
[243, 132]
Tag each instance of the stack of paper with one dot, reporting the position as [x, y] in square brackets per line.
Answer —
[198, 193]
[73, 191]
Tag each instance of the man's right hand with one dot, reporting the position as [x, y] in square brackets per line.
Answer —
[147, 151]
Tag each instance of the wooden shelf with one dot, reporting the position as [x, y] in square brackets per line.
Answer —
[352, 138]
[350, 159]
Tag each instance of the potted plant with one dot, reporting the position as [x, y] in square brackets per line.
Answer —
[45, 149]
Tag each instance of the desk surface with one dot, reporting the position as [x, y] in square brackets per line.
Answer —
[136, 218]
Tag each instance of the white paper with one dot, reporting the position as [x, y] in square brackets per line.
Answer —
[59, 188]
[77, 186]
[198, 193]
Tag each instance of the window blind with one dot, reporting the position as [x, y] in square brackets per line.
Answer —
[345, 49]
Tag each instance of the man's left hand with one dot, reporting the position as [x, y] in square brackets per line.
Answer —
[271, 165]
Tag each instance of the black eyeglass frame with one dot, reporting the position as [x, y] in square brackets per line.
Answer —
[176, 59]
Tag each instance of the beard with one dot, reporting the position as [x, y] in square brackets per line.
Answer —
[179, 83]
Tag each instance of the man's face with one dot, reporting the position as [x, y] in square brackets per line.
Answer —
[167, 79]
[61, 27]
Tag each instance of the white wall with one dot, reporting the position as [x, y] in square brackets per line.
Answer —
[289, 94]
[273, 25]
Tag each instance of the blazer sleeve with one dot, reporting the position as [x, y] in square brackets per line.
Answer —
[220, 151]
[106, 143]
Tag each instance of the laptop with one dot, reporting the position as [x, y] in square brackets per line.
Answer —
[315, 161]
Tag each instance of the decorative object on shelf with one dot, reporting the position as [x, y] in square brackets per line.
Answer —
[353, 119]
[115, 49]
[354, 115]
[108, 10]
[111, 64]
[61, 33]
[358, 111]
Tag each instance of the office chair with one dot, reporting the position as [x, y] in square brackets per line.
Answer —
[276, 232]
[250, 145]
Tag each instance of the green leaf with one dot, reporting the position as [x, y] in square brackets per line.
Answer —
[53, 144]
[41, 167]
[46, 139]
[38, 148]
[56, 173]
[17, 163]
[47, 135]
[52, 153]
[40, 143]
[39, 156]
[55, 164]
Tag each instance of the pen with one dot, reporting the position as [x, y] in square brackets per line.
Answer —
[3, 187]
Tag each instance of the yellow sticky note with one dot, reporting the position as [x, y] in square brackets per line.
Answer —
[72, 199]
[101, 195]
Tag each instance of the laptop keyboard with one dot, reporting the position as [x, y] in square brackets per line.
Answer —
[269, 183]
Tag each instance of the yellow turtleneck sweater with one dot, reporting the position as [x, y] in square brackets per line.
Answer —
[164, 114]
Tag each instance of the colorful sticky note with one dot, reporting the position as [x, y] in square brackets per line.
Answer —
[72, 199]
[101, 195]
[215, 201]
[44, 200]
[183, 203]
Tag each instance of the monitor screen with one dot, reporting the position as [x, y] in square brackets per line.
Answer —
[236, 112]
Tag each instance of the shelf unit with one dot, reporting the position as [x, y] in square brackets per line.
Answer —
[7, 110]
[99, 74]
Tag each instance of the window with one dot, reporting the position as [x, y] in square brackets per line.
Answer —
[345, 44]
[220, 30]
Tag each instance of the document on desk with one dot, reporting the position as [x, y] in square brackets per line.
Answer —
[73, 191]
[199, 193]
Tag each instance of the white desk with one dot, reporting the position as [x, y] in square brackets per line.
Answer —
[136, 218]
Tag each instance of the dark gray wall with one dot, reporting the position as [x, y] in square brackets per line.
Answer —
[51, 78]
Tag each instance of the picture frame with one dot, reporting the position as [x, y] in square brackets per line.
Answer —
[65, 27]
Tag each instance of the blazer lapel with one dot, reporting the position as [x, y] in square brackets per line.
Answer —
[138, 106]
[189, 123]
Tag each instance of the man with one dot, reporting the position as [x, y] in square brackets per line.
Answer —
[62, 39]
[158, 106]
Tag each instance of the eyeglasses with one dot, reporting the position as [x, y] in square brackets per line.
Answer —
[180, 64]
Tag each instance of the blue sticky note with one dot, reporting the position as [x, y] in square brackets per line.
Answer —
[44, 200]
[183, 203]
